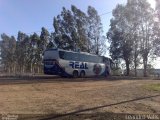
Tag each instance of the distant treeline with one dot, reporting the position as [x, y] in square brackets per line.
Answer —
[73, 29]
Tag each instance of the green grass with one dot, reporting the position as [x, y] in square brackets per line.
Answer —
[155, 87]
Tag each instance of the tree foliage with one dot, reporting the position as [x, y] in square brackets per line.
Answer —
[132, 33]
[23, 54]
[76, 29]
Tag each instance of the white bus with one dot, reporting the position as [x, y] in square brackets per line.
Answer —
[75, 64]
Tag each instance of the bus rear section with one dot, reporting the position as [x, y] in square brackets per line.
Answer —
[51, 63]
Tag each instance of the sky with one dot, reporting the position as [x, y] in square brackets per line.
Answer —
[30, 16]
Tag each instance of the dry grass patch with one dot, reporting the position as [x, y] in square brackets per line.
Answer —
[154, 87]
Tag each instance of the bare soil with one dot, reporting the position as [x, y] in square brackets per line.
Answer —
[67, 98]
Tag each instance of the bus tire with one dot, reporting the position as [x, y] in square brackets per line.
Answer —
[75, 74]
[82, 74]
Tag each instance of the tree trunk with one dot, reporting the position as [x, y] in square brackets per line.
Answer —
[135, 65]
[135, 71]
[135, 58]
[14, 69]
[127, 68]
[145, 68]
[31, 68]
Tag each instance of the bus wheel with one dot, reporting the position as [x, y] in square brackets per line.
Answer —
[82, 74]
[75, 74]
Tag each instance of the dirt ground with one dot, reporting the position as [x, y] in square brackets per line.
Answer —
[54, 97]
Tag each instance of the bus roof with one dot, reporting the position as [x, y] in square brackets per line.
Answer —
[71, 51]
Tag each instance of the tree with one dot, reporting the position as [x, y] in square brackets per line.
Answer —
[27, 52]
[75, 29]
[44, 39]
[35, 56]
[4, 51]
[8, 48]
[21, 51]
[81, 24]
[134, 20]
[95, 30]
[65, 30]
[12, 54]
[119, 37]
[157, 29]
[146, 27]
[131, 33]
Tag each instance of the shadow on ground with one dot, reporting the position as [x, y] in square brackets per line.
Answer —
[92, 115]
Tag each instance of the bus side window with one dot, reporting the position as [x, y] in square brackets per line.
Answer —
[76, 56]
[61, 54]
[68, 56]
[100, 60]
[82, 57]
[89, 58]
[96, 59]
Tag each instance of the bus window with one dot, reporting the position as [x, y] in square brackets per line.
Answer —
[68, 55]
[75, 56]
[90, 58]
[96, 59]
[80, 57]
[61, 54]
